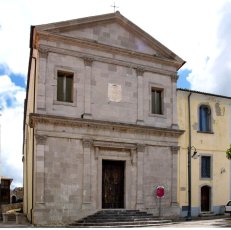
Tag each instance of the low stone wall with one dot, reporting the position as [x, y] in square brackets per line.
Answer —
[7, 207]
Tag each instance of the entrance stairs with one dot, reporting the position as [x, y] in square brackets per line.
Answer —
[119, 218]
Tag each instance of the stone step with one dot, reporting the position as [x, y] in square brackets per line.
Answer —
[125, 214]
[122, 224]
[119, 218]
[116, 220]
[205, 214]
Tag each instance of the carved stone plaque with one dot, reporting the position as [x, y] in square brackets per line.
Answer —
[114, 92]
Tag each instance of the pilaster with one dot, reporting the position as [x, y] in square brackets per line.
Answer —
[41, 78]
[174, 182]
[174, 78]
[87, 144]
[39, 171]
[87, 87]
[140, 106]
[140, 176]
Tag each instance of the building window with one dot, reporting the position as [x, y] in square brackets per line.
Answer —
[65, 86]
[204, 118]
[156, 101]
[205, 167]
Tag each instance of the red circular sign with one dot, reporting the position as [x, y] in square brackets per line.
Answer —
[160, 191]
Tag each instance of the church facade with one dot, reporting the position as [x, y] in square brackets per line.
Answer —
[100, 125]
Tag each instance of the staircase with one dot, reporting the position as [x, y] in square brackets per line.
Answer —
[119, 218]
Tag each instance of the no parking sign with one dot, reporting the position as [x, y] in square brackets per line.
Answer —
[160, 191]
[160, 194]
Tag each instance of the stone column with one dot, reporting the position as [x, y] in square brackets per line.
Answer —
[140, 176]
[174, 102]
[39, 171]
[140, 106]
[87, 87]
[174, 182]
[87, 144]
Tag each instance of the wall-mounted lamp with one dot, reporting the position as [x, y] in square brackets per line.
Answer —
[195, 154]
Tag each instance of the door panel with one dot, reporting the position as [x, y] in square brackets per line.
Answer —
[113, 184]
[205, 199]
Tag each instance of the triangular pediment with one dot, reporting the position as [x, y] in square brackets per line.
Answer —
[112, 30]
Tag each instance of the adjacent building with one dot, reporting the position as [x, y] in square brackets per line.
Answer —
[5, 190]
[206, 120]
[100, 125]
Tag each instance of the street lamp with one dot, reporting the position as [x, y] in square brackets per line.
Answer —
[194, 155]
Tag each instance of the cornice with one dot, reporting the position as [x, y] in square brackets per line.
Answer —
[108, 60]
[35, 119]
[93, 44]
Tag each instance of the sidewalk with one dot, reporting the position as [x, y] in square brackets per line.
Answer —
[212, 217]
[12, 224]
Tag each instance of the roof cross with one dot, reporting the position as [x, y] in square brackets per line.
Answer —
[114, 6]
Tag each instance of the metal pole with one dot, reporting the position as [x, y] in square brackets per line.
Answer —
[189, 217]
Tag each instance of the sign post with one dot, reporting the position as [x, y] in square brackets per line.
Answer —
[160, 194]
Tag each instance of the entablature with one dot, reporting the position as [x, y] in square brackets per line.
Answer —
[136, 65]
[106, 125]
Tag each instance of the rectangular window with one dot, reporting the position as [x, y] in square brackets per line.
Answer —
[156, 101]
[65, 86]
[204, 118]
[205, 167]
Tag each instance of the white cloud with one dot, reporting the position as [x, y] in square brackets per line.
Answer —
[11, 137]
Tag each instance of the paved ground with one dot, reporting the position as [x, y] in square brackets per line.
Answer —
[13, 225]
[199, 223]
[215, 222]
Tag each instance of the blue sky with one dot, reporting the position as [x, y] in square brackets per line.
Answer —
[206, 51]
[182, 81]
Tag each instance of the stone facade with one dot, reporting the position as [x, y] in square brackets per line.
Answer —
[115, 65]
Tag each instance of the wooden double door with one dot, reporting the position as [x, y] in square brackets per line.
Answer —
[113, 184]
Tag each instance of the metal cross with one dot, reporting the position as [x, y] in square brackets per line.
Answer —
[114, 6]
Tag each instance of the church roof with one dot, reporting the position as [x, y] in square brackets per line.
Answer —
[59, 28]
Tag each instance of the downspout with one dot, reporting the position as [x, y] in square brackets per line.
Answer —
[189, 216]
[35, 68]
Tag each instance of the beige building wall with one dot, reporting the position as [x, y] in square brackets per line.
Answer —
[213, 144]
[28, 144]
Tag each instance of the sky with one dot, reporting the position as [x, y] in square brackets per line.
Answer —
[199, 31]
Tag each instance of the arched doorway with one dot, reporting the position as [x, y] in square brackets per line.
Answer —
[205, 198]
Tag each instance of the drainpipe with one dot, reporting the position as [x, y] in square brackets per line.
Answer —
[189, 217]
[35, 69]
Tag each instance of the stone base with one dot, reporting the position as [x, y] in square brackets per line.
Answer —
[58, 217]
[140, 122]
[87, 116]
[21, 218]
[139, 206]
[174, 126]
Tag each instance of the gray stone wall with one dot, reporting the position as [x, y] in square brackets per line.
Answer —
[112, 34]
[91, 92]
[68, 170]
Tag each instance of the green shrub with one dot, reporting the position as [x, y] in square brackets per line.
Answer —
[228, 152]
